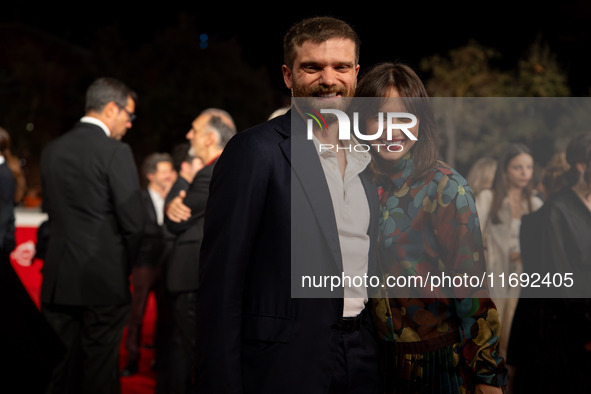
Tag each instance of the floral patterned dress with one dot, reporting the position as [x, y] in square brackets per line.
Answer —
[436, 342]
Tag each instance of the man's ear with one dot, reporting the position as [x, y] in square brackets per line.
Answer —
[287, 76]
[111, 110]
[211, 138]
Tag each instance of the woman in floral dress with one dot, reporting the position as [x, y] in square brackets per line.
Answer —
[446, 340]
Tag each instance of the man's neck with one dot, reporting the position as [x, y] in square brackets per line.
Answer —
[158, 190]
[330, 136]
[211, 155]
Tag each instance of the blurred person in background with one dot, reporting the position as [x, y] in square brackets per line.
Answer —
[158, 171]
[12, 191]
[500, 209]
[209, 133]
[91, 193]
[481, 174]
[550, 345]
[31, 346]
[187, 166]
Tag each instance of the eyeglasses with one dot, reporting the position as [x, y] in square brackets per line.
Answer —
[131, 116]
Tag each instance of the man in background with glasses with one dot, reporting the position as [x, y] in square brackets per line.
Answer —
[91, 194]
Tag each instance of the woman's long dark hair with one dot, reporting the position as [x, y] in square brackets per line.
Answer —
[578, 151]
[377, 82]
[500, 181]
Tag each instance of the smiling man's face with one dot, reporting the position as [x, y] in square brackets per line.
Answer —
[325, 71]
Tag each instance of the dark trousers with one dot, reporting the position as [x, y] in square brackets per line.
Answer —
[180, 345]
[92, 336]
[357, 362]
[143, 280]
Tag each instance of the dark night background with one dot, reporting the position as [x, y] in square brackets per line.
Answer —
[49, 53]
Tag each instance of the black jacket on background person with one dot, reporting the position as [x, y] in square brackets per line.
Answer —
[151, 251]
[183, 263]
[556, 328]
[7, 224]
[91, 194]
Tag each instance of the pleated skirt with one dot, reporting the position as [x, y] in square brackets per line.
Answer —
[429, 367]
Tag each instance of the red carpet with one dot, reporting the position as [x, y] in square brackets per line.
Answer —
[30, 276]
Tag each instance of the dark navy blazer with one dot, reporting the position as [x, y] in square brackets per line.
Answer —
[253, 336]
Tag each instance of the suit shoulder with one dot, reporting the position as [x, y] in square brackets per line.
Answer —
[202, 175]
[271, 130]
[88, 134]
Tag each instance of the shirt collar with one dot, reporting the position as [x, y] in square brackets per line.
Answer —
[155, 195]
[357, 161]
[95, 121]
[213, 160]
[362, 156]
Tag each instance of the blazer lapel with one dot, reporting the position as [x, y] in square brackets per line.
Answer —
[308, 174]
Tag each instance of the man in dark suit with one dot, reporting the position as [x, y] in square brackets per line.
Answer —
[208, 136]
[253, 335]
[187, 166]
[145, 275]
[92, 197]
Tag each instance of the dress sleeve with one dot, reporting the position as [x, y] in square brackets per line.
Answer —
[459, 241]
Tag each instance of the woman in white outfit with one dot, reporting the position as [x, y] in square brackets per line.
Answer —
[500, 210]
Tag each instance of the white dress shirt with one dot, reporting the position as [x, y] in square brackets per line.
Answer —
[352, 216]
[158, 202]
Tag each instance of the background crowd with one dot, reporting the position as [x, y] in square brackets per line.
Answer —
[165, 219]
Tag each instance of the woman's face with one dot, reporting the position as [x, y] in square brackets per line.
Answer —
[519, 171]
[394, 148]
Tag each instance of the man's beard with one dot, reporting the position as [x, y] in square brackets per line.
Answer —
[314, 98]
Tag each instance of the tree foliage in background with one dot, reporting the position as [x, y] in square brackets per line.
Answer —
[43, 80]
[472, 127]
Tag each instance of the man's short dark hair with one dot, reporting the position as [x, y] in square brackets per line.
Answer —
[222, 129]
[180, 155]
[150, 164]
[317, 30]
[104, 90]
